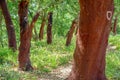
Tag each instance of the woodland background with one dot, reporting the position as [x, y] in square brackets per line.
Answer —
[46, 57]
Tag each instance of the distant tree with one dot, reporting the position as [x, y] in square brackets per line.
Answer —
[114, 29]
[70, 32]
[49, 28]
[25, 35]
[41, 32]
[9, 25]
[92, 40]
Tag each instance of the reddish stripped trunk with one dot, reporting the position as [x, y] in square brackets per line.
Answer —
[92, 40]
[42, 29]
[49, 28]
[9, 25]
[24, 49]
[25, 36]
[70, 33]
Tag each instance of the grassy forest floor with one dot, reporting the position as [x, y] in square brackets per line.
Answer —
[53, 62]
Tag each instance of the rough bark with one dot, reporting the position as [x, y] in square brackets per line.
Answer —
[9, 25]
[49, 28]
[92, 40]
[25, 36]
[70, 33]
[42, 29]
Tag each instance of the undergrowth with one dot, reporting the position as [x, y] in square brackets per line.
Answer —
[46, 57]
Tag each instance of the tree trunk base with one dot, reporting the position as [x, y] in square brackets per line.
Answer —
[27, 67]
[74, 75]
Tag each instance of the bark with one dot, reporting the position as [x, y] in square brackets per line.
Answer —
[25, 36]
[70, 33]
[9, 25]
[92, 40]
[49, 28]
[42, 29]
[24, 49]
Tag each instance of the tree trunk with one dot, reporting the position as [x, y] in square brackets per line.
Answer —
[42, 29]
[25, 36]
[49, 28]
[114, 30]
[70, 33]
[9, 25]
[92, 40]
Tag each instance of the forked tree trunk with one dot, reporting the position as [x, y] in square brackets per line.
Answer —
[24, 49]
[9, 25]
[49, 28]
[92, 40]
[42, 29]
[25, 36]
[70, 32]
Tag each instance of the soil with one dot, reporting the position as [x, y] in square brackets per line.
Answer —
[60, 73]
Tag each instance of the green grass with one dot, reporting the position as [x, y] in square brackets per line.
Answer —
[113, 59]
[45, 58]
